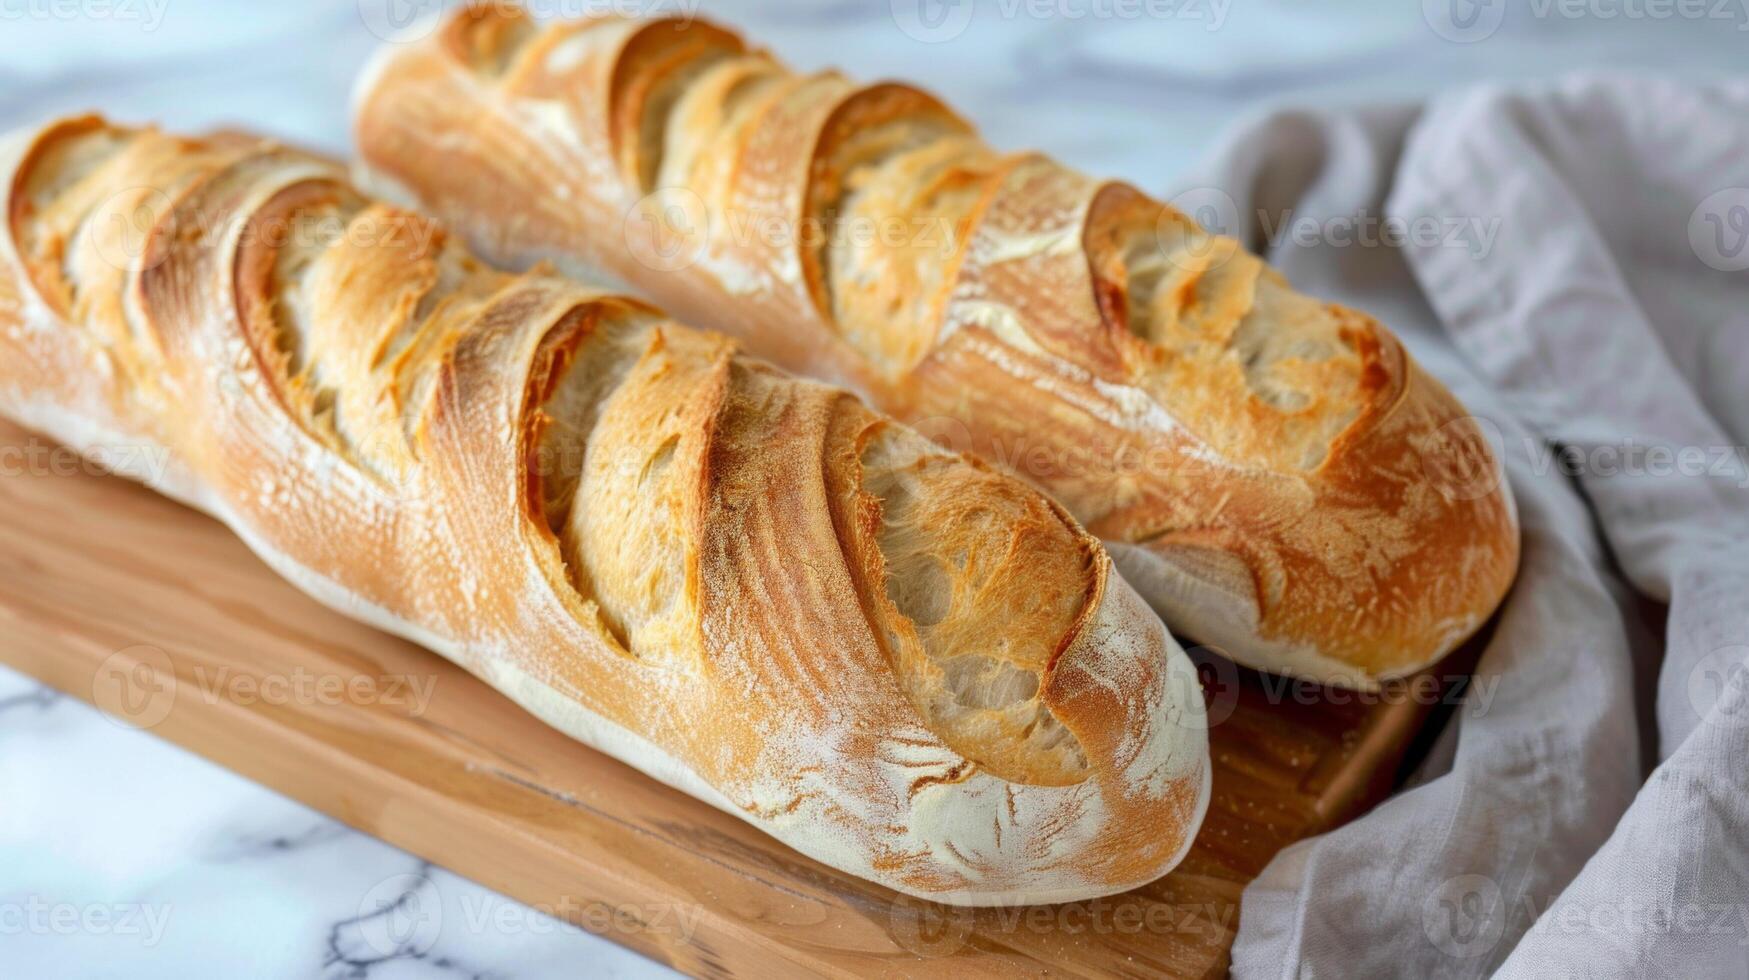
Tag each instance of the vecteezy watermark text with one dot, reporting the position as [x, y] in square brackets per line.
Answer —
[1469, 21]
[1467, 916]
[139, 687]
[149, 14]
[936, 21]
[1364, 229]
[1633, 459]
[35, 457]
[933, 930]
[1216, 211]
[37, 916]
[407, 914]
[409, 692]
[405, 21]
[491, 914]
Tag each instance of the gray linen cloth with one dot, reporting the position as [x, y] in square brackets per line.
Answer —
[1573, 260]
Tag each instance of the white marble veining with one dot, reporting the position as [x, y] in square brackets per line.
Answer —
[121, 854]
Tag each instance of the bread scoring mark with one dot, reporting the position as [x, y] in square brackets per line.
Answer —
[620, 434]
[48, 211]
[656, 66]
[894, 182]
[1268, 376]
[488, 41]
[90, 203]
[943, 568]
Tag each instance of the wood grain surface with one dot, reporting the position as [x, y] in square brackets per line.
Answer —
[163, 619]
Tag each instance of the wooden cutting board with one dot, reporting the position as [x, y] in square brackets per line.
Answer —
[163, 619]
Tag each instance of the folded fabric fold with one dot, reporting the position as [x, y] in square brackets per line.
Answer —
[1575, 258]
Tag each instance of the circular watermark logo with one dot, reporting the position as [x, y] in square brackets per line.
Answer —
[121, 229]
[1217, 679]
[932, 21]
[1465, 459]
[1718, 230]
[1712, 677]
[1465, 916]
[929, 929]
[944, 431]
[1212, 208]
[400, 21]
[1464, 21]
[668, 229]
[1215, 211]
[402, 915]
[135, 687]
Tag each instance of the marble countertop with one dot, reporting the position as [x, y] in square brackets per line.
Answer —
[123, 854]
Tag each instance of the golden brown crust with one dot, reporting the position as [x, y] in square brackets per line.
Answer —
[1275, 472]
[651, 72]
[682, 556]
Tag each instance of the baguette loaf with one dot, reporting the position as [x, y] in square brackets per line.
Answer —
[890, 657]
[1274, 473]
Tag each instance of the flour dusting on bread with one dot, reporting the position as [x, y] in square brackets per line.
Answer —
[1170, 389]
[754, 587]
